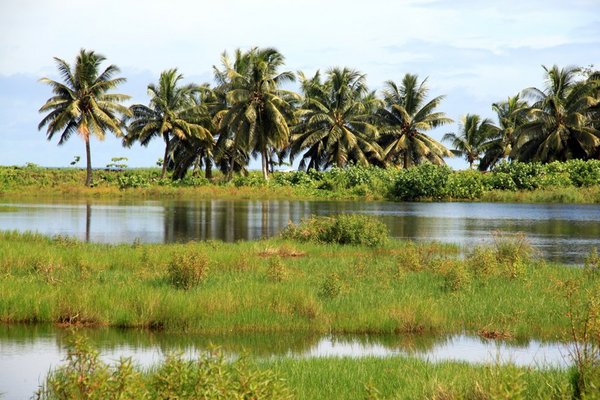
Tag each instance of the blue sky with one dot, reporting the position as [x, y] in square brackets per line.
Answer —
[474, 52]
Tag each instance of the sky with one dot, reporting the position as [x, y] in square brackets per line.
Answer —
[475, 52]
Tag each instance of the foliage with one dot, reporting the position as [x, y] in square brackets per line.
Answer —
[423, 181]
[467, 185]
[85, 376]
[187, 269]
[350, 229]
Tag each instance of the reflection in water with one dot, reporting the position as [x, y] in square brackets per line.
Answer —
[561, 232]
[28, 352]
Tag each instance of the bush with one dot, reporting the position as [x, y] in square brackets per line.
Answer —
[465, 185]
[350, 229]
[126, 181]
[584, 173]
[252, 179]
[499, 181]
[526, 176]
[423, 181]
[187, 270]
[86, 376]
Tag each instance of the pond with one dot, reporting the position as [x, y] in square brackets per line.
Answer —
[564, 233]
[27, 353]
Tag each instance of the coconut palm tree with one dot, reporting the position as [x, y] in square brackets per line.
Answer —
[259, 111]
[405, 118]
[561, 123]
[511, 113]
[335, 121]
[473, 138]
[82, 103]
[172, 114]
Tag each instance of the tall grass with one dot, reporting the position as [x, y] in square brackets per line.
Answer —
[280, 285]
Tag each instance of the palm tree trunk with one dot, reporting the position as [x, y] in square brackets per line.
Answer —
[405, 159]
[265, 169]
[164, 166]
[88, 154]
[209, 164]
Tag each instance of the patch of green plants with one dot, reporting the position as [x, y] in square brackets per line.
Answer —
[352, 229]
[85, 376]
[187, 270]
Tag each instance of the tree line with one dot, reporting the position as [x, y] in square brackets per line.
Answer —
[335, 120]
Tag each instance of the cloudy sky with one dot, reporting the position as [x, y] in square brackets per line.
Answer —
[474, 52]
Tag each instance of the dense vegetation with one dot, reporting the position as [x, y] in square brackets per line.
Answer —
[335, 120]
[564, 182]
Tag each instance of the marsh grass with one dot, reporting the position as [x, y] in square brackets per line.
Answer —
[330, 288]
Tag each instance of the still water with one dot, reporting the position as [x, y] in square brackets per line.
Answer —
[27, 353]
[561, 232]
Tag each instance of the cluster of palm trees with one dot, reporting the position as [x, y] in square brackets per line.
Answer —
[335, 120]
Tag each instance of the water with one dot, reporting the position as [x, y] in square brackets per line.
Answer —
[27, 353]
[564, 233]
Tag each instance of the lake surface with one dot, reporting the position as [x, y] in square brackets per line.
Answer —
[27, 353]
[561, 232]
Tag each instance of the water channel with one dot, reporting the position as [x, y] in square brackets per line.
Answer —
[564, 233]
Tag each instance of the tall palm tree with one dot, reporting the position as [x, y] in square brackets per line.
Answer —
[172, 114]
[335, 127]
[511, 113]
[405, 118]
[259, 112]
[473, 138]
[561, 123]
[81, 103]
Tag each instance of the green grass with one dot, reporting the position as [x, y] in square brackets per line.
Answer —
[283, 286]
[409, 378]
[85, 375]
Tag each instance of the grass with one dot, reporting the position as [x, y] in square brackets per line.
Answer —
[285, 286]
[84, 375]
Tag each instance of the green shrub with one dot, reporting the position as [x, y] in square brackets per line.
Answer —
[276, 270]
[187, 269]
[423, 181]
[465, 185]
[456, 275]
[584, 173]
[526, 176]
[126, 181]
[499, 181]
[331, 286]
[85, 376]
[350, 229]
[252, 179]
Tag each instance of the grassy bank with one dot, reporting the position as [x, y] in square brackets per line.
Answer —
[289, 286]
[571, 182]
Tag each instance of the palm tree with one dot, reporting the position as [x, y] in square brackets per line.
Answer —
[473, 138]
[82, 104]
[259, 112]
[405, 118]
[562, 124]
[172, 114]
[511, 113]
[335, 127]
